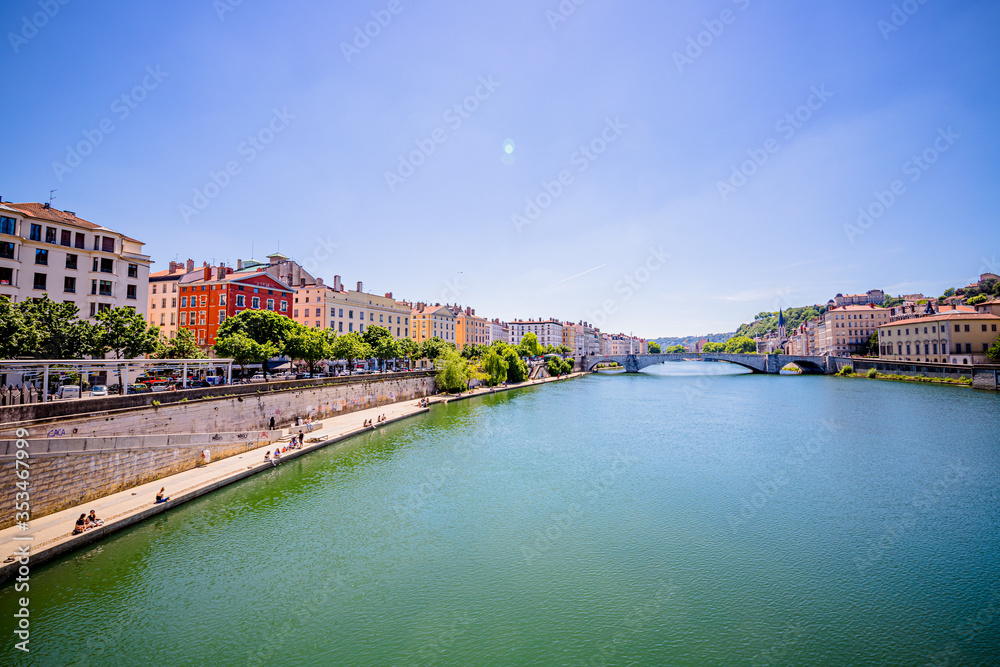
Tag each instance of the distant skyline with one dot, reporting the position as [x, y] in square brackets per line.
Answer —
[662, 170]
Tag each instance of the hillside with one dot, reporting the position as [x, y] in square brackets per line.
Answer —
[767, 322]
[689, 341]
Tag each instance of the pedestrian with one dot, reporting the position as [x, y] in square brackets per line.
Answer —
[162, 496]
[272, 423]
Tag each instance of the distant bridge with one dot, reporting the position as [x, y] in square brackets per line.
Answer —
[758, 363]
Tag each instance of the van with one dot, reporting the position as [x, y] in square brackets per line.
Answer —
[68, 391]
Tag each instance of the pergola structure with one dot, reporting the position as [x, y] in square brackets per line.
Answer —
[127, 368]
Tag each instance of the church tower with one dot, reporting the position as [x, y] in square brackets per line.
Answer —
[781, 326]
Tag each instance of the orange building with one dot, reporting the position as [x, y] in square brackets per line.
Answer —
[469, 329]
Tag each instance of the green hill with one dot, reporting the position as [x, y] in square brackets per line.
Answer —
[767, 322]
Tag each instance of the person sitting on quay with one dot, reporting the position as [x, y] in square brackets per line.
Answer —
[277, 453]
[81, 524]
[267, 457]
[93, 521]
[162, 496]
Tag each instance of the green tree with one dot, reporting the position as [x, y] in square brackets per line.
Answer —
[714, 347]
[949, 292]
[17, 337]
[382, 344]
[529, 346]
[870, 348]
[408, 349]
[55, 331]
[494, 365]
[654, 347]
[473, 351]
[676, 349]
[994, 352]
[569, 365]
[563, 350]
[350, 347]
[432, 348]
[125, 333]
[517, 370]
[554, 366]
[181, 346]
[979, 298]
[245, 350]
[261, 326]
[453, 371]
[308, 345]
[741, 345]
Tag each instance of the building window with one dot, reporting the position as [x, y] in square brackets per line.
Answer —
[79, 241]
[350, 314]
[270, 304]
[41, 257]
[284, 306]
[350, 327]
[172, 319]
[7, 225]
[69, 284]
[107, 265]
[104, 288]
[36, 232]
[201, 317]
[7, 250]
[255, 302]
[240, 301]
[6, 275]
[70, 261]
[130, 291]
[184, 318]
[65, 237]
[222, 317]
[107, 244]
[133, 270]
[968, 346]
[966, 328]
[184, 301]
[50, 234]
[39, 281]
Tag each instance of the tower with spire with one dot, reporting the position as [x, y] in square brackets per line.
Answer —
[781, 326]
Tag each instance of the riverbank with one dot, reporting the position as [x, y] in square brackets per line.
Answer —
[892, 377]
[50, 536]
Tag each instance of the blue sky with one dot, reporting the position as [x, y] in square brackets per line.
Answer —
[623, 119]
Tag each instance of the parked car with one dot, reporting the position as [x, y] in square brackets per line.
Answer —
[259, 377]
[138, 388]
[99, 390]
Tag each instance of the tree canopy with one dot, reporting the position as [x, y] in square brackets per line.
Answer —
[308, 345]
[383, 345]
[350, 347]
[741, 345]
[676, 349]
[654, 347]
[529, 345]
[714, 347]
[453, 371]
[181, 346]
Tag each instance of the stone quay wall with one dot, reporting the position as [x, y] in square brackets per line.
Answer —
[61, 477]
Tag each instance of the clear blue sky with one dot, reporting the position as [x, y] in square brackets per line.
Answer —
[446, 231]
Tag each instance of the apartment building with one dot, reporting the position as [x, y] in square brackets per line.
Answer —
[430, 321]
[498, 331]
[548, 332]
[569, 336]
[161, 305]
[949, 338]
[873, 296]
[323, 306]
[470, 329]
[47, 251]
[844, 330]
[209, 299]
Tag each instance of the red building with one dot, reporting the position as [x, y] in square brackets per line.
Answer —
[219, 294]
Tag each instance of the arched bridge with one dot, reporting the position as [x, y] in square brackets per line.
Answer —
[758, 363]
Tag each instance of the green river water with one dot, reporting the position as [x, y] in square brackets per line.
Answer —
[688, 515]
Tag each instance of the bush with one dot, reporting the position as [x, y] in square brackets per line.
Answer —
[846, 370]
[872, 373]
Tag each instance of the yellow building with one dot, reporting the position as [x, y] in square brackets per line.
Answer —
[569, 334]
[432, 321]
[469, 328]
[950, 338]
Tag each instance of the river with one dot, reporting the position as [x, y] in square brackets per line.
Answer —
[688, 515]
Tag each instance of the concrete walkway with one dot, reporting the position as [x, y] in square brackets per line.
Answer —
[51, 535]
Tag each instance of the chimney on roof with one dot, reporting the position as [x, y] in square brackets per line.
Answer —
[173, 266]
[45, 205]
[361, 287]
[388, 295]
[336, 283]
[302, 282]
[319, 282]
[239, 265]
[207, 272]
[190, 264]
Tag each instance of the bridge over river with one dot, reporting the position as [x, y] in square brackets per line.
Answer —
[758, 363]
